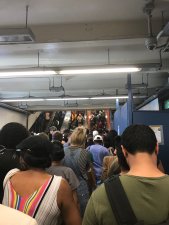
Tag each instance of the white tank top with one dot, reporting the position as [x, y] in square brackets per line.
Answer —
[41, 205]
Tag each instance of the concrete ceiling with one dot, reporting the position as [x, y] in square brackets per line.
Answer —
[81, 33]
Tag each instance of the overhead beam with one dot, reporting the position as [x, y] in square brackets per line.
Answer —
[94, 31]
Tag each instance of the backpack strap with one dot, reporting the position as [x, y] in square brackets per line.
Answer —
[119, 202]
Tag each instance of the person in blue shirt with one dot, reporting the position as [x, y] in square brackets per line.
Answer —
[98, 152]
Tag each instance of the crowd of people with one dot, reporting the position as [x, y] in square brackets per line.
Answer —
[62, 178]
[98, 120]
[46, 120]
[76, 119]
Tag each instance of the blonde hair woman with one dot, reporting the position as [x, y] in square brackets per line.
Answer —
[77, 158]
[78, 137]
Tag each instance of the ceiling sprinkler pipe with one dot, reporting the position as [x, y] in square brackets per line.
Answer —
[148, 8]
[150, 31]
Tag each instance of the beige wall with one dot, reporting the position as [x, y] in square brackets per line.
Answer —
[7, 116]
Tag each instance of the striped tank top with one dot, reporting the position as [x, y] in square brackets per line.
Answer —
[41, 205]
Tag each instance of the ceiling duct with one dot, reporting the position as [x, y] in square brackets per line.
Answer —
[16, 35]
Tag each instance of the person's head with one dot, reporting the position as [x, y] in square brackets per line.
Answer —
[106, 141]
[90, 140]
[121, 159]
[66, 131]
[78, 137]
[12, 134]
[44, 135]
[57, 136]
[57, 151]
[98, 139]
[115, 168]
[52, 129]
[35, 152]
[111, 136]
[139, 139]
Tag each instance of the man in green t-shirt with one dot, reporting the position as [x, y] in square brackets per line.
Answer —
[146, 187]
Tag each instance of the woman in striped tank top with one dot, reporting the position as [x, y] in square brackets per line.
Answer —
[32, 191]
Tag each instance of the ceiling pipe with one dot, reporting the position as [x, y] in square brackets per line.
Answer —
[151, 41]
[55, 108]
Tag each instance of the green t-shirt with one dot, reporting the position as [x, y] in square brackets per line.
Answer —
[149, 199]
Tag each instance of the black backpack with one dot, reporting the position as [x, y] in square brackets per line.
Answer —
[119, 201]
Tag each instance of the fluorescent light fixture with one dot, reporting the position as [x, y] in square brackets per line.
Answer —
[23, 100]
[141, 96]
[28, 73]
[108, 97]
[100, 70]
[67, 99]
[16, 35]
[38, 72]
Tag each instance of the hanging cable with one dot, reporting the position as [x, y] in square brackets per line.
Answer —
[38, 58]
[27, 7]
[108, 56]
[162, 18]
[161, 61]
[61, 81]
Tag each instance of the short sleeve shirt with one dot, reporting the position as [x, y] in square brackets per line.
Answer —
[66, 173]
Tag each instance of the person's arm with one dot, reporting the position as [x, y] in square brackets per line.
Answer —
[74, 184]
[76, 198]
[104, 168]
[67, 206]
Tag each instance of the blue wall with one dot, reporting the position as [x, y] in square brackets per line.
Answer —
[121, 119]
[156, 118]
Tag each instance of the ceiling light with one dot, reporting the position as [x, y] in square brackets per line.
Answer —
[67, 99]
[109, 97]
[38, 72]
[100, 70]
[23, 100]
[26, 73]
[16, 35]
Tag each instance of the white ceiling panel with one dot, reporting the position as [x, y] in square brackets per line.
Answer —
[78, 33]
